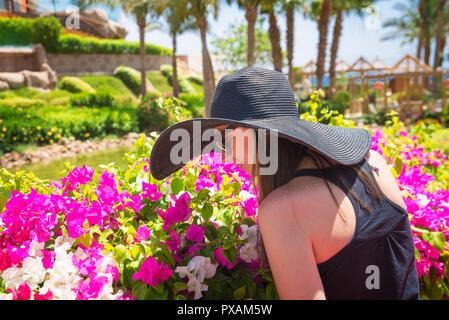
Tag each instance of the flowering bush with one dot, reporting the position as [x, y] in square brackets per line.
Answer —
[120, 234]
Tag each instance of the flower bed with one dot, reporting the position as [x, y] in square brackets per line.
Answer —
[115, 234]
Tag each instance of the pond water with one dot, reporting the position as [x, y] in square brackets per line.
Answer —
[52, 169]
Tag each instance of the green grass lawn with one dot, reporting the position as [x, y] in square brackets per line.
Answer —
[198, 88]
[162, 85]
[111, 84]
[159, 81]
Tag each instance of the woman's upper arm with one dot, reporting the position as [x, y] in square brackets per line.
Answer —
[289, 251]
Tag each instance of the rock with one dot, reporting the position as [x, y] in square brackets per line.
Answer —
[107, 28]
[38, 79]
[4, 85]
[98, 15]
[14, 79]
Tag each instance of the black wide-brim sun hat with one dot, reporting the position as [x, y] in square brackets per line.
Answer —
[262, 99]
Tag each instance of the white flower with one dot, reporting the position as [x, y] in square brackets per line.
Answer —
[423, 201]
[198, 269]
[166, 189]
[13, 277]
[249, 251]
[35, 249]
[194, 285]
[245, 195]
[34, 272]
[5, 296]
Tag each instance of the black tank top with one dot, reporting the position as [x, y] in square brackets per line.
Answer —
[379, 261]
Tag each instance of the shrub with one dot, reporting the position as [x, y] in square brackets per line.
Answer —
[184, 85]
[130, 77]
[156, 114]
[194, 103]
[75, 85]
[70, 43]
[195, 79]
[98, 99]
[24, 31]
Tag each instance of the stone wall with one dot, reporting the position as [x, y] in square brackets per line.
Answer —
[17, 60]
[79, 64]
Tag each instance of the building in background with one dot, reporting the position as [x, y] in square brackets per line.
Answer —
[20, 8]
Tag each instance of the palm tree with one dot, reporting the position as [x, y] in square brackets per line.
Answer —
[268, 6]
[416, 21]
[139, 9]
[339, 8]
[198, 10]
[323, 24]
[178, 23]
[289, 6]
[439, 34]
[251, 12]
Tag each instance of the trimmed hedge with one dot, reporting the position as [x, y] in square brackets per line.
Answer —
[24, 31]
[70, 43]
[75, 85]
[99, 99]
[130, 77]
[184, 85]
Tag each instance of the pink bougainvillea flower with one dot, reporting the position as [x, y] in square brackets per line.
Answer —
[23, 292]
[47, 296]
[195, 233]
[177, 213]
[48, 259]
[113, 270]
[90, 289]
[153, 273]
[219, 258]
[143, 232]
[149, 191]
[76, 177]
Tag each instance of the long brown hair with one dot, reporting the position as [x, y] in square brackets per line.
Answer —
[290, 155]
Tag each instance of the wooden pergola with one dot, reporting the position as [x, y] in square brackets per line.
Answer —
[409, 74]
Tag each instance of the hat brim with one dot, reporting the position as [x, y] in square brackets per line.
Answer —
[346, 146]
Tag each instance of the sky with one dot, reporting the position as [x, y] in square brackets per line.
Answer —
[361, 36]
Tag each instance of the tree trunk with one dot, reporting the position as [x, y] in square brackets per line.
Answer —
[290, 44]
[251, 18]
[275, 38]
[174, 80]
[323, 23]
[334, 52]
[208, 71]
[141, 21]
[421, 28]
[427, 51]
[439, 33]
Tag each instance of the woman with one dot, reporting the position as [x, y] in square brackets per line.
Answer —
[332, 226]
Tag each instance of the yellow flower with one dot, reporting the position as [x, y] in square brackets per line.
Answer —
[60, 130]
[49, 133]
[4, 129]
[42, 139]
[87, 135]
[35, 138]
[14, 138]
[58, 136]
[25, 139]
[23, 129]
[1, 120]
[38, 127]
[51, 141]
[54, 129]
[28, 116]
[2, 135]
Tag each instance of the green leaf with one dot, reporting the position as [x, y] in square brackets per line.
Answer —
[398, 165]
[436, 239]
[179, 286]
[177, 185]
[203, 194]
[218, 196]
[230, 254]
[106, 233]
[207, 211]
[86, 239]
[240, 293]
[210, 231]
[119, 252]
